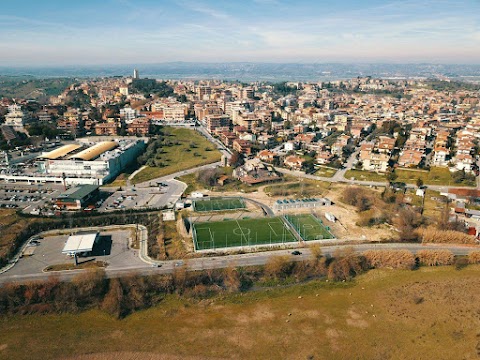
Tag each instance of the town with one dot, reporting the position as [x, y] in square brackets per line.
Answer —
[155, 178]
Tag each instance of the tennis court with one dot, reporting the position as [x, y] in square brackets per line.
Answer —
[244, 232]
[218, 204]
[309, 227]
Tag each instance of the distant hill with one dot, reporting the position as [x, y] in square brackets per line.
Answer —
[28, 87]
[246, 71]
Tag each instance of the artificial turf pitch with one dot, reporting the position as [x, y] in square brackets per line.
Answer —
[309, 227]
[245, 232]
[218, 204]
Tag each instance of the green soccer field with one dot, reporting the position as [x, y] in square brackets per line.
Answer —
[245, 232]
[218, 204]
[309, 227]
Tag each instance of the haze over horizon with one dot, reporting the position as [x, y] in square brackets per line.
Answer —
[57, 33]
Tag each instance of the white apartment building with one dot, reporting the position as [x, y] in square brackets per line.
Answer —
[16, 118]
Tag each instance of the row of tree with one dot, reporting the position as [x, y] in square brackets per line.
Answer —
[122, 296]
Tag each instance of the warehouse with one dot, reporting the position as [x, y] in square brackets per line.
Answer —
[76, 198]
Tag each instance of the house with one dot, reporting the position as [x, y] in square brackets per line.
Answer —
[266, 155]
[139, 126]
[108, 128]
[242, 146]
[463, 162]
[440, 156]
[374, 161]
[324, 157]
[410, 158]
[294, 162]
[385, 144]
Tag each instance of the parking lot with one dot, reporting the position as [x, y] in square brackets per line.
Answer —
[112, 248]
[155, 196]
[25, 196]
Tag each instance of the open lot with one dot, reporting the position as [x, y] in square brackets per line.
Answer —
[309, 227]
[300, 188]
[244, 232]
[430, 313]
[436, 176]
[112, 248]
[218, 204]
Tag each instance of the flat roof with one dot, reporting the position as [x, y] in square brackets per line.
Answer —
[80, 243]
[95, 151]
[78, 192]
[60, 152]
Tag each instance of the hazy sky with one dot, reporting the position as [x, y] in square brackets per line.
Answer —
[52, 32]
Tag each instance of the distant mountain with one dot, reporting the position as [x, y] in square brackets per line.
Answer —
[245, 71]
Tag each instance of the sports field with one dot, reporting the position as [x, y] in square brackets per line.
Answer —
[218, 204]
[309, 227]
[245, 232]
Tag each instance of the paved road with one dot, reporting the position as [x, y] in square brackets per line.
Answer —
[217, 262]
[341, 178]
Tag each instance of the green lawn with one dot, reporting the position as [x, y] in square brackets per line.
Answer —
[244, 232]
[325, 172]
[364, 176]
[218, 204]
[309, 227]
[436, 176]
[188, 149]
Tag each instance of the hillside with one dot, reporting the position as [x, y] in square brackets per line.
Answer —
[431, 313]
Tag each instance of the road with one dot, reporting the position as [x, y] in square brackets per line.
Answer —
[341, 178]
[217, 262]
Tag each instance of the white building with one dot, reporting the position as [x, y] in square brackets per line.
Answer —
[16, 118]
[100, 161]
[128, 114]
[174, 113]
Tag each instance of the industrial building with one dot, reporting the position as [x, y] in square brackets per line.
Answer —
[76, 198]
[101, 161]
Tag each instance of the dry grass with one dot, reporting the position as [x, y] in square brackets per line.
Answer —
[433, 235]
[431, 313]
[435, 257]
[394, 259]
[474, 257]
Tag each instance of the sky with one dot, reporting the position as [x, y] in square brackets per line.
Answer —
[95, 32]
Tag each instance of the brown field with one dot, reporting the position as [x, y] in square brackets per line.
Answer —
[431, 313]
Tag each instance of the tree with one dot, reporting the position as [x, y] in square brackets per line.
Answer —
[391, 176]
[419, 182]
[236, 159]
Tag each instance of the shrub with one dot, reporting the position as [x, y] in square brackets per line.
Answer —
[279, 267]
[371, 217]
[474, 257]
[434, 235]
[395, 259]
[406, 222]
[357, 197]
[345, 265]
[435, 257]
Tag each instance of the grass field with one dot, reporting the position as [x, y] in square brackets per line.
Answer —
[325, 172]
[218, 204]
[245, 232]
[363, 175]
[430, 313]
[436, 176]
[309, 227]
[303, 188]
[188, 149]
